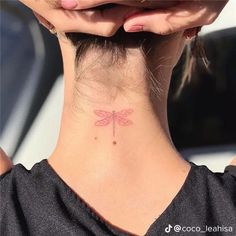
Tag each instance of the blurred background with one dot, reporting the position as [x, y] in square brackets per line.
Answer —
[202, 121]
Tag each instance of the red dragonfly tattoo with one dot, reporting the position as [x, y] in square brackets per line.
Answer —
[113, 117]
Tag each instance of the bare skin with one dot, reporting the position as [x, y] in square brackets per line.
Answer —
[233, 162]
[5, 162]
[172, 16]
[104, 23]
[164, 17]
[135, 172]
[90, 158]
[130, 176]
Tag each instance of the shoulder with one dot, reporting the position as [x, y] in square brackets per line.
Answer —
[12, 179]
[5, 162]
[12, 187]
[20, 188]
[18, 181]
[216, 185]
[25, 194]
[18, 177]
[227, 177]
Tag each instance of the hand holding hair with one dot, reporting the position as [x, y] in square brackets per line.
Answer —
[98, 22]
[167, 17]
[185, 15]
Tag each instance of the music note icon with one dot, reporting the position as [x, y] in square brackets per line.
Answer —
[168, 228]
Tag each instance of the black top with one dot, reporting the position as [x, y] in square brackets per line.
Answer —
[38, 202]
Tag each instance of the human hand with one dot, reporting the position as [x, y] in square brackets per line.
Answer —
[99, 22]
[85, 4]
[184, 16]
[168, 16]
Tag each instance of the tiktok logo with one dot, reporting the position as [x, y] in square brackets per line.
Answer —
[168, 228]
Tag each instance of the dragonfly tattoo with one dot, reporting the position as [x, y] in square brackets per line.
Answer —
[114, 117]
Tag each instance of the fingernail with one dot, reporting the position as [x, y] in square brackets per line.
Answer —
[69, 4]
[135, 28]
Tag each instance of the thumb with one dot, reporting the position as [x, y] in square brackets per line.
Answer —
[156, 21]
[43, 21]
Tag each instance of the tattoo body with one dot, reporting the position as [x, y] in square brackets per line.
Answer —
[115, 118]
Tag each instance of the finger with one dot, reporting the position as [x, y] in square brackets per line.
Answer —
[84, 4]
[43, 21]
[174, 19]
[103, 23]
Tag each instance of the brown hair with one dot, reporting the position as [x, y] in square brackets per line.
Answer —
[117, 45]
[193, 51]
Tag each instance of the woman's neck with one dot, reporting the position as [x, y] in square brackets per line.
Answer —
[113, 126]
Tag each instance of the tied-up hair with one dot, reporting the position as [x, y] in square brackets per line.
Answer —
[117, 45]
[194, 50]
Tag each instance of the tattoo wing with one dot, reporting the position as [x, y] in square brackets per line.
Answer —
[104, 122]
[123, 122]
[125, 112]
[102, 113]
